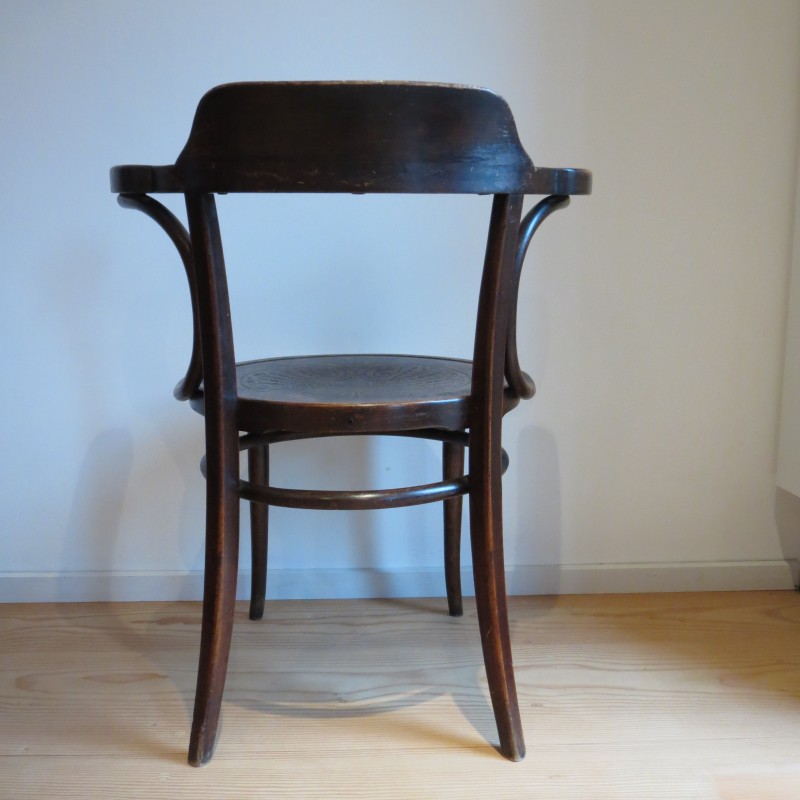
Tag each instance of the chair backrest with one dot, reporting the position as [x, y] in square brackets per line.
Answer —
[353, 137]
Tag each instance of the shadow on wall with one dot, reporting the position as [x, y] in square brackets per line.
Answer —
[538, 538]
[377, 546]
[787, 520]
[309, 539]
[96, 510]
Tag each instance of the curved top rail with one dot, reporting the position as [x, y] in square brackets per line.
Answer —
[354, 137]
[142, 179]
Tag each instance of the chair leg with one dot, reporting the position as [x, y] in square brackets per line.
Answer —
[219, 596]
[453, 467]
[486, 535]
[258, 472]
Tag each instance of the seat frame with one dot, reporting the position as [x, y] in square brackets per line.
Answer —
[358, 138]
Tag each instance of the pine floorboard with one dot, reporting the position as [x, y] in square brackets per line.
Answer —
[624, 696]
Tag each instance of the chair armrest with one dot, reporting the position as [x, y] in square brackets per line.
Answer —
[559, 180]
[141, 179]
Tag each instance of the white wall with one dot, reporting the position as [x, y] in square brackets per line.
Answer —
[789, 444]
[653, 314]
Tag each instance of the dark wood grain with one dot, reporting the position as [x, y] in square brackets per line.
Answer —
[393, 137]
[363, 138]
[361, 393]
[485, 466]
[222, 477]
[520, 382]
[352, 137]
[258, 473]
[136, 178]
[452, 467]
[179, 237]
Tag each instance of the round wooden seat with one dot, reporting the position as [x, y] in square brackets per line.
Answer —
[353, 393]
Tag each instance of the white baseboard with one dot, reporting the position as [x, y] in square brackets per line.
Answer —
[35, 587]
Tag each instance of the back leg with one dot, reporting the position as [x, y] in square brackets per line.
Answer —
[219, 597]
[453, 467]
[486, 535]
[258, 473]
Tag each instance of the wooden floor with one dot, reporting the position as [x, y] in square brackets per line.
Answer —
[633, 696]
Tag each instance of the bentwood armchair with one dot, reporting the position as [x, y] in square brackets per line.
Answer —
[352, 138]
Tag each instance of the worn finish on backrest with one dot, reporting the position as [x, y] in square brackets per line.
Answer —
[353, 137]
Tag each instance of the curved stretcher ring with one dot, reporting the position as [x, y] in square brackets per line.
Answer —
[352, 500]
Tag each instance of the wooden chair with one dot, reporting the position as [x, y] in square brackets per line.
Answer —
[352, 138]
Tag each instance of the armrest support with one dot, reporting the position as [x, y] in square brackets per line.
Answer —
[521, 385]
[180, 238]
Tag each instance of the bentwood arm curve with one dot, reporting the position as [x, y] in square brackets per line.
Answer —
[179, 236]
[520, 383]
